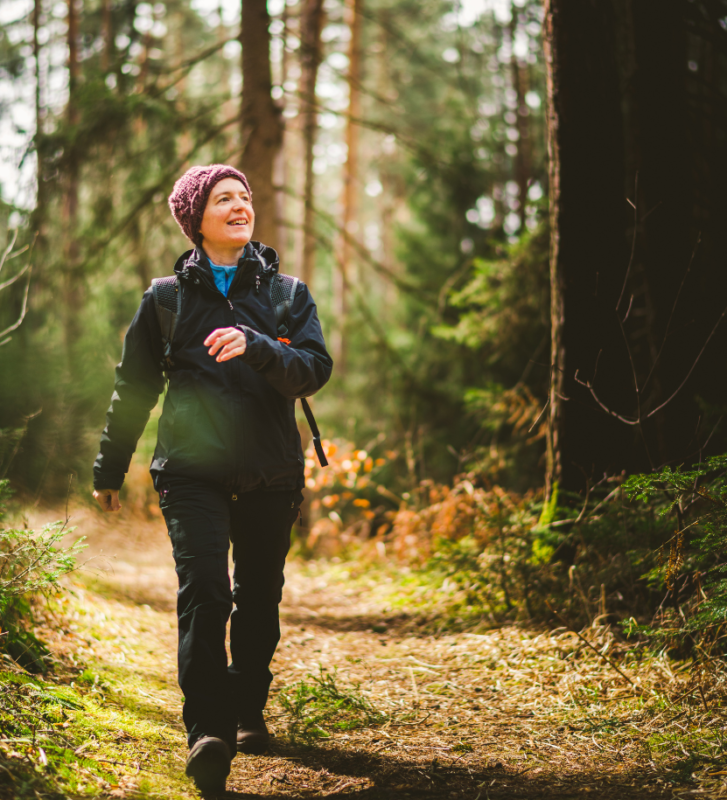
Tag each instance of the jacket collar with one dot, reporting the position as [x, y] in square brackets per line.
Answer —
[257, 260]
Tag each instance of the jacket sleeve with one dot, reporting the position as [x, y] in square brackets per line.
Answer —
[301, 368]
[139, 382]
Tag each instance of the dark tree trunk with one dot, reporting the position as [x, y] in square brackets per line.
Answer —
[637, 109]
[588, 257]
[311, 23]
[261, 120]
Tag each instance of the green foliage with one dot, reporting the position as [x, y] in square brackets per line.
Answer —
[690, 564]
[648, 553]
[317, 707]
[31, 564]
[496, 556]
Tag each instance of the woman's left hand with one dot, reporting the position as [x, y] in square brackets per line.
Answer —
[231, 340]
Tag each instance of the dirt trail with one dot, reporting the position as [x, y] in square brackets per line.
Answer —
[504, 714]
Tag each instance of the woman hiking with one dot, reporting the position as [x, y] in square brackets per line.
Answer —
[228, 463]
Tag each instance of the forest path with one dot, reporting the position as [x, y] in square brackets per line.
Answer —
[504, 714]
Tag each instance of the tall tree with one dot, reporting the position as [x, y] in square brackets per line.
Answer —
[519, 79]
[261, 123]
[350, 179]
[72, 271]
[107, 54]
[636, 332]
[311, 24]
[41, 193]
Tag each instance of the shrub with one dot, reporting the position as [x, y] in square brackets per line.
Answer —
[690, 566]
[31, 564]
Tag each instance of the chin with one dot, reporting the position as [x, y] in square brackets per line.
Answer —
[240, 240]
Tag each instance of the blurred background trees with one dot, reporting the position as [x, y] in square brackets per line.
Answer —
[397, 152]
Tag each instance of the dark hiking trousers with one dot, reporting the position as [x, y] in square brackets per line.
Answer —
[202, 519]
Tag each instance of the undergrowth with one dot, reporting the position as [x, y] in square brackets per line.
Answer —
[318, 706]
[31, 564]
[76, 739]
[646, 552]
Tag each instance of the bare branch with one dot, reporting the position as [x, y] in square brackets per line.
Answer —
[547, 403]
[633, 241]
[696, 361]
[23, 311]
[8, 249]
[611, 413]
[628, 310]
[12, 280]
[673, 309]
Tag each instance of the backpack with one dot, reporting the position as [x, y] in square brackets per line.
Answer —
[168, 305]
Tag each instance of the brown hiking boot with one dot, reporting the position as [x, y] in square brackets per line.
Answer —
[253, 737]
[208, 764]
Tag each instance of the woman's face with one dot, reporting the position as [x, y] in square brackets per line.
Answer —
[228, 220]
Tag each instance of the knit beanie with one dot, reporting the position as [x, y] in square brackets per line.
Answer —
[189, 196]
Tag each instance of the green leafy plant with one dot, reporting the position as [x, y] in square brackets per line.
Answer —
[317, 707]
[31, 565]
[691, 564]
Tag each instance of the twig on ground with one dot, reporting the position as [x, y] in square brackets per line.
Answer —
[595, 649]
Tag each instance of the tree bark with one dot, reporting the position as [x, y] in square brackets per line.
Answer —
[41, 193]
[261, 124]
[349, 199]
[311, 24]
[631, 116]
[73, 275]
[519, 74]
[588, 253]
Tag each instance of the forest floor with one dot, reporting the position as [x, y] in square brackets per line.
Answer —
[371, 699]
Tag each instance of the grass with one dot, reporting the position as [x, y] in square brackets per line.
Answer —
[89, 727]
[318, 706]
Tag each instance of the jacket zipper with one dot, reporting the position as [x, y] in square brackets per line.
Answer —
[239, 460]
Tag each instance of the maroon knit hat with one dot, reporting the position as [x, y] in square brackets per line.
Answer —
[189, 196]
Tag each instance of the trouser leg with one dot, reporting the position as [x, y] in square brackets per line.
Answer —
[198, 520]
[261, 524]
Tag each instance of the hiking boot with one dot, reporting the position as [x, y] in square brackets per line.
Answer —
[208, 764]
[253, 737]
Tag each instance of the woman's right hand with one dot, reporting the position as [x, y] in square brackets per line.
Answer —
[108, 499]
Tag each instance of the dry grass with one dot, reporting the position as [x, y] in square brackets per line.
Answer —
[504, 713]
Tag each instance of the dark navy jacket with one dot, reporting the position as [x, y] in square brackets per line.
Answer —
[230, 423]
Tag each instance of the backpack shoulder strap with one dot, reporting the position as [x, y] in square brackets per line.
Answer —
[282, 293]
[168, 304]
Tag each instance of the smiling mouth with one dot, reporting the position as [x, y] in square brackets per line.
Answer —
[238, 222]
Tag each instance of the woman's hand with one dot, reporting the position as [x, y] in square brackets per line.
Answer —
[108, 499]
[231, 340]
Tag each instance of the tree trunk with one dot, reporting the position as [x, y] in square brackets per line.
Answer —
[588, 253]
[261, 124]
[520, 85]
[107, 54]
[631, 116]
[41, 193]
[73, 299]
[349, 200]
[311, 24]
